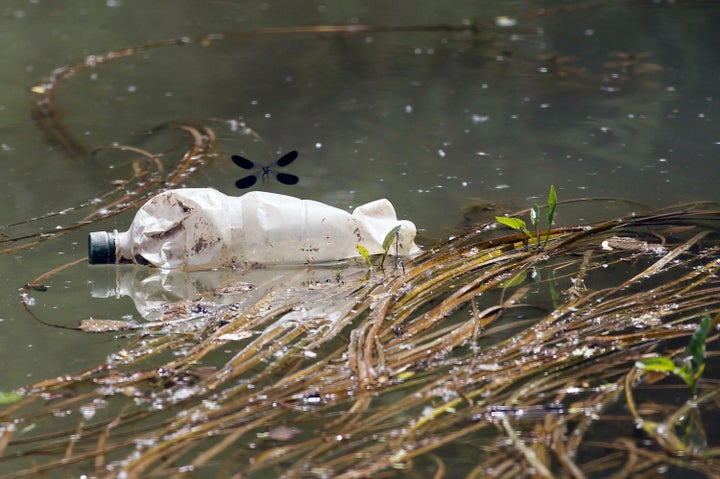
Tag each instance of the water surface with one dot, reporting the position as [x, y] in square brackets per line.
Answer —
[612, 101]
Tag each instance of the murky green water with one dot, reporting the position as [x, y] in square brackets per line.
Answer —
[613, 101]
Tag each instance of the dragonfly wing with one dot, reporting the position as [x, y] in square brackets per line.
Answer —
[246, 182]
[287, 158]
[287, 178]
[242, 162]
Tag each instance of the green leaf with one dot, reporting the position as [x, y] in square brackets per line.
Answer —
[514, 223]
[364, 253]
[390, 237]
[9, 398]
[697, 342]
[685, 372]
[696, 376]
[387, 243]
[659, 364]
[694, 368]
[516, 280]
[552, 203]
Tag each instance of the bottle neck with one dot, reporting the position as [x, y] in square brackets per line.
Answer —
[123, 247]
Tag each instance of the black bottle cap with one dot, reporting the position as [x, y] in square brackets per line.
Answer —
[101, 247]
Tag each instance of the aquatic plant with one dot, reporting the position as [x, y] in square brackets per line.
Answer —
[520, 225]
[691, 368]
[393, 236]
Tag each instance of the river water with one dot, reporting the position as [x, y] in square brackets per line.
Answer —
[612, 100]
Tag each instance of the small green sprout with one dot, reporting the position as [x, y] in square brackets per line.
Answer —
[392, 236]
[691, 368]
[519, 225]
[552, 203]
[365, 254]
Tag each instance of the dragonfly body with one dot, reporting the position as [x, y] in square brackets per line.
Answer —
[265, 171]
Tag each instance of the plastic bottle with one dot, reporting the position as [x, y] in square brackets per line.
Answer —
[196, 228]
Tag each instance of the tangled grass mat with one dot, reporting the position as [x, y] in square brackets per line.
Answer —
[486, 355]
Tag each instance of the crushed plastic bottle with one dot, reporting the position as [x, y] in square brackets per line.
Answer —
[195, 228]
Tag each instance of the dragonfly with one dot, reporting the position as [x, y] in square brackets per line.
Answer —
[265, 171]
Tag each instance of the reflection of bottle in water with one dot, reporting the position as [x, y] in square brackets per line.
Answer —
[170, 295]
[154, 290]
[201, 227]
